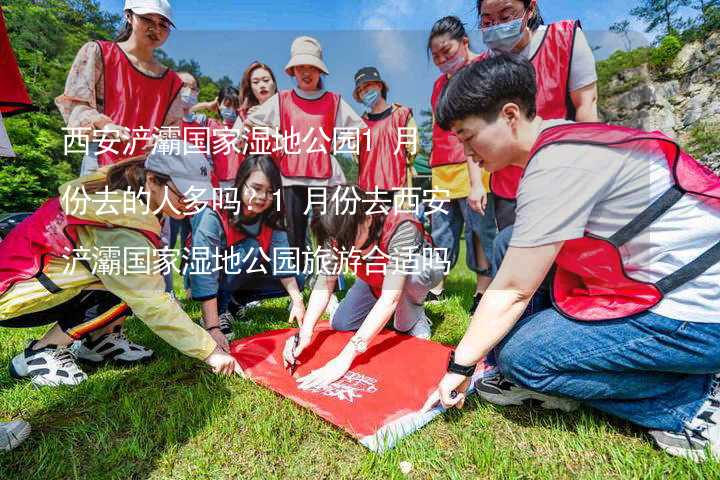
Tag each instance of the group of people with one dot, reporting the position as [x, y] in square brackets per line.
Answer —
[595, 247]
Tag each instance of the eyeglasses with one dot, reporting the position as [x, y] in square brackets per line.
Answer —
[150, 23]
[259, 193]
[504, 17]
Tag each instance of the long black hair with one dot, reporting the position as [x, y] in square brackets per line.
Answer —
[533, 22]
[262, 163]
[450, 25]
[333, 225]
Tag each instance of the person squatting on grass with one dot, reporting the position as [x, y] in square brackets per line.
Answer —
[46, 279]
[252, 234]
[394, 240]
[449, 46]
[633, 238]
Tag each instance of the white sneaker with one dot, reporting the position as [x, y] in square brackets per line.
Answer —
[49, 366]
[113, 346]
[13, 434]
[421, 329]
[499, 390]
[225, 322]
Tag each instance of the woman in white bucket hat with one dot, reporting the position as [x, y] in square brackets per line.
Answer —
[311, 113]
[115, 88]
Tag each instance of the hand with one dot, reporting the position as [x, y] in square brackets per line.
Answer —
[119, 132]
[331, 372]
[297, 312]
[451, 382]
[292, 352]
[220, 339]
[222, 363]
[477, 200]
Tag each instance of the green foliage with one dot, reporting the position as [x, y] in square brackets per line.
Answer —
[663, 56]
[704, 139]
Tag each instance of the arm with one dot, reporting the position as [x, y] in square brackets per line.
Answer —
[585, 101]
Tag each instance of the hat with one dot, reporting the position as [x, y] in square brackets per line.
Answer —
[306, 51]
[365, 75]
[188, 168]
[143, 7]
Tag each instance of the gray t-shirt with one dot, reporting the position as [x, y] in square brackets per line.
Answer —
[567, 190]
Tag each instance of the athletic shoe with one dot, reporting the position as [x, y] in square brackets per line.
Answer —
[225, 322]
[13, 434]
[48, 366]
[501, 391]
[476, 302]
[700, 437]
[421, 329]
[114, 346]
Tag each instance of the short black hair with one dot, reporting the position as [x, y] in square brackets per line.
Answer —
[484, 87]
[450, 25]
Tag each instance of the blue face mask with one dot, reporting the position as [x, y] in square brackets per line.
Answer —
[228, 114]
[504, 37]
[370, 98]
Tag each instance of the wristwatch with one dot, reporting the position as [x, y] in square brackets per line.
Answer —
[359, 344]
[459, 369]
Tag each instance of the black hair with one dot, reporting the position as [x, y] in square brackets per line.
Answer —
[336, 227]
[450, 25]
[484, 87]
[126, 30]
[229, 93]
[533, 22]
[262, 163]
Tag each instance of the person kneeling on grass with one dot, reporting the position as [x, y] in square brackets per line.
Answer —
[50, 274]
[631, 225]
[393, 240]
[250, 233]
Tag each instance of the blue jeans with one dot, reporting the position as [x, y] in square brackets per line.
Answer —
[447, 229]
[651, 370]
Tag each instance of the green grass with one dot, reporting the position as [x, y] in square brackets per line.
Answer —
[171, 418]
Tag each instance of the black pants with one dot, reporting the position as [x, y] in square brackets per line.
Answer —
[89, 311]
[296, 220]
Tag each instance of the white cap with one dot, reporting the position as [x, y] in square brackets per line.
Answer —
[143, 7]
[189, 171]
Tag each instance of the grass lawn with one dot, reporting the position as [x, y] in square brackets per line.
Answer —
[171, 418]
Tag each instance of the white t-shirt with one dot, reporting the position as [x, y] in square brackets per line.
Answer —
[268, 115]
[582, 65]
[5, 147]
[567, 190]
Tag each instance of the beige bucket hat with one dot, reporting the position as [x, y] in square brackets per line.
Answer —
[306, 51]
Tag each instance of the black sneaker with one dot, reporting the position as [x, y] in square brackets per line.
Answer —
[476, 302]
[48, 366]
[700, 437]
[499, 390]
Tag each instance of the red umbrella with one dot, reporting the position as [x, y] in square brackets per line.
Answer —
[13, 95]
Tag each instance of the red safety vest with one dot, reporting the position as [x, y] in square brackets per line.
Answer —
[446, 148]
[590, 281]
[373, 274]
[133, 99]
[552, 63]
[48, 232]
[384, 164]
[307, 129]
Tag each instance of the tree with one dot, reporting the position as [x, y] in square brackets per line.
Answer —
[623, 28]
[659, 15]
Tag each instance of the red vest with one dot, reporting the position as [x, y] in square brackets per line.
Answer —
[380, 167]
[371, 272]
[552, 63]
[234, 235]
[590, 281]
[307, 125]
[446, 148]
[133, 99]
[48, 232]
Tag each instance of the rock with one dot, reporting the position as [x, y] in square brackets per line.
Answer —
[712, 160]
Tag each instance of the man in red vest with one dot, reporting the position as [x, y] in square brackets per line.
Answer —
[630, 223]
